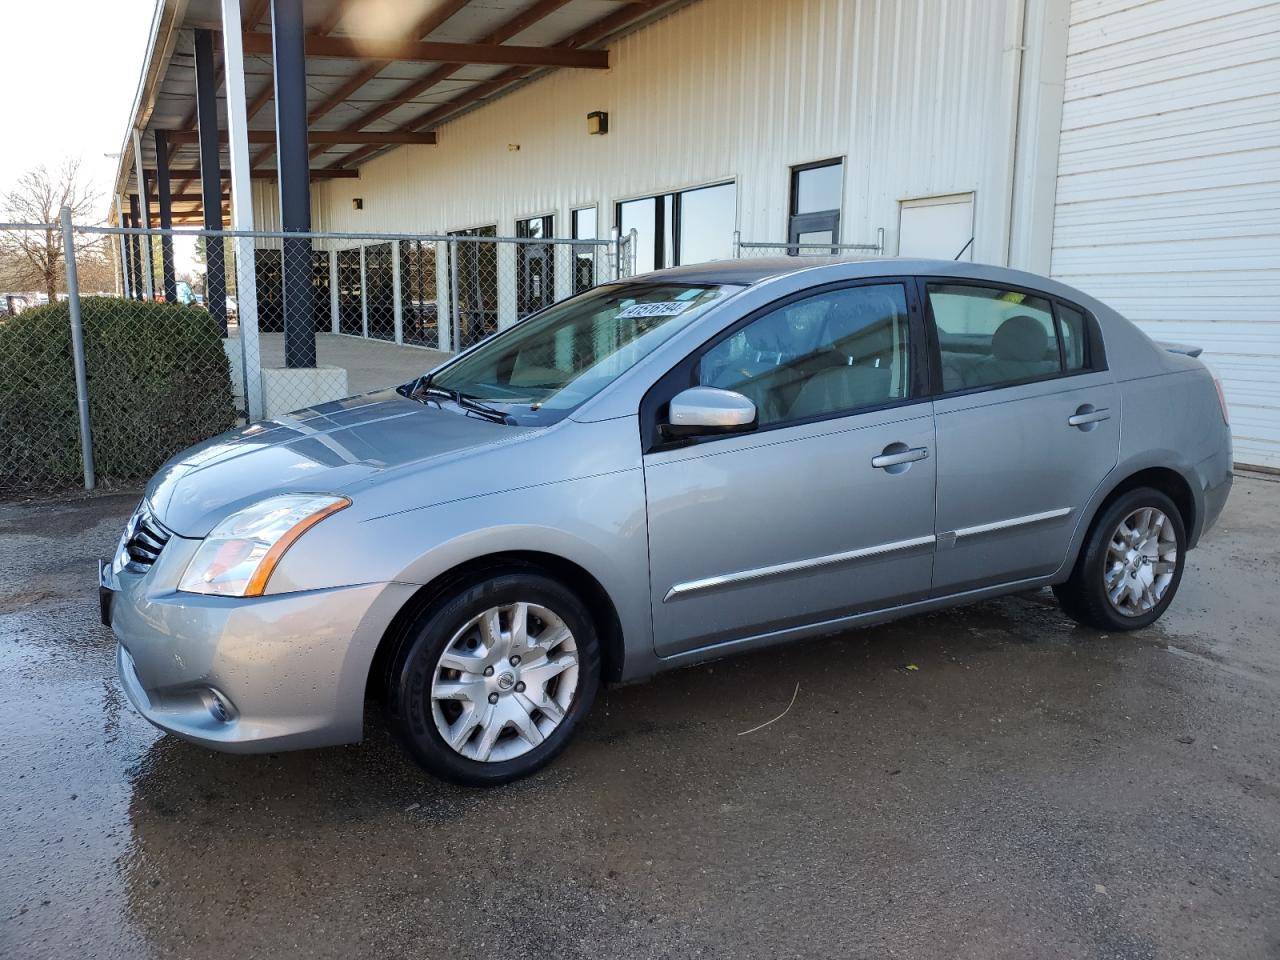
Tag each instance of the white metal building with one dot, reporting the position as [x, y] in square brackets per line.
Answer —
[1128, 147]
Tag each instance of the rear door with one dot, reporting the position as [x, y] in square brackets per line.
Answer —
[826, 508]
[1028, 422]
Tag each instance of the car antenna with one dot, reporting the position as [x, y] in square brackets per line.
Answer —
[968, 243]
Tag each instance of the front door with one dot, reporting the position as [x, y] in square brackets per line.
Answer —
[827, 508]
[1028, 426]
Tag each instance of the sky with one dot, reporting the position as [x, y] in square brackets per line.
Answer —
[83, 57]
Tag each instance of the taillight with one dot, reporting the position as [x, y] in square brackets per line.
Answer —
[1222, 401]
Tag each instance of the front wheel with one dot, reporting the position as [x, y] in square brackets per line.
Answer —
[491, 684]
[1130, 564]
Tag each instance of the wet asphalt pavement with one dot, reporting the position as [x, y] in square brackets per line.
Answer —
[988, 782]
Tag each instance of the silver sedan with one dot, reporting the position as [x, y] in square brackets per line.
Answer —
[660, 471]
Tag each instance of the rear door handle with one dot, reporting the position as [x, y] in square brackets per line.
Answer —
[1086, 414]
[897, 453]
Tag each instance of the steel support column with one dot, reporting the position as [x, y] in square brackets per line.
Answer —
[147, 263]
[135, 250]
[165, 202]
[288, 33]
[215, 285]
[126, 268]
[242, 205]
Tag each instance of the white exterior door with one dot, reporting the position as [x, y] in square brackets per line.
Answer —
[936, 227]
[1168, 196]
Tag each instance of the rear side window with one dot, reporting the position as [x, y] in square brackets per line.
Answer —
[988, 336]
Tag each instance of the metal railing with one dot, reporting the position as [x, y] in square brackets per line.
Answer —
[743, 248]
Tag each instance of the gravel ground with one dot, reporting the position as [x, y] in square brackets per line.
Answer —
[988, 782]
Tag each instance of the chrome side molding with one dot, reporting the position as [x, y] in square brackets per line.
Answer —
[946, 539]
[794, 566]
[1011, 522]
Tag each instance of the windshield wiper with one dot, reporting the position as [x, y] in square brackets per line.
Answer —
[466, 402]
[423, 388]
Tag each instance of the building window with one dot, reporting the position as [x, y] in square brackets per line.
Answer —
[584, 256]
[816, 191]
[477, 272]
[690, 226]
[535, 265]
[642, 217]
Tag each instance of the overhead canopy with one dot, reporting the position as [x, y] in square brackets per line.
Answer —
[380, 73]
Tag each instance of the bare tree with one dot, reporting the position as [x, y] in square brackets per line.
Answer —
[32, 259]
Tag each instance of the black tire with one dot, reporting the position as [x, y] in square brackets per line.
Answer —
[413, 669]
[1084, 597]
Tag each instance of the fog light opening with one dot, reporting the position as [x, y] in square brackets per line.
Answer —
[219, 706]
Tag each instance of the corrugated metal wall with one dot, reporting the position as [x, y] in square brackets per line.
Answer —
[918, 95]
[1168, 201]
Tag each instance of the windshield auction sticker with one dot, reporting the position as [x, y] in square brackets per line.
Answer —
[665, 308]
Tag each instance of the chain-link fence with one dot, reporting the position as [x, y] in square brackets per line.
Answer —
[197, 331]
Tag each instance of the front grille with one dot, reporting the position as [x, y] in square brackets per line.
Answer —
[147, 537]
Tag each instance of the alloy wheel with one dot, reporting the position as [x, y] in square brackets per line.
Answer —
[504, 682]
[1142, 557]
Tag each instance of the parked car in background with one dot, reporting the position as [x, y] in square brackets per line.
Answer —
[662, 470]
[12, 304]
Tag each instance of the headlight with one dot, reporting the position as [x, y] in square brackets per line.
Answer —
[239, 555]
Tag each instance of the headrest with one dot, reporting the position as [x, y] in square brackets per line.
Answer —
[1020, 338]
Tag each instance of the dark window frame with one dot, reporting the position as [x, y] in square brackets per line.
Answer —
[815, 220]
[1095, 359]
[685, 373]
[478, 315]
[573, 221]
[661, 229]
[527, 302]
[584, 252]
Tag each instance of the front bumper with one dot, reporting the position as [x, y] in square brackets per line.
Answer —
[279, 672]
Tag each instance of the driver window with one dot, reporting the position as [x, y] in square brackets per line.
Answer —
[832, 353]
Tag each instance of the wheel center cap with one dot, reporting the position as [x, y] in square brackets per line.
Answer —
[506, 681]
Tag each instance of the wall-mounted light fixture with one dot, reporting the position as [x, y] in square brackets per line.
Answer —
[597, 122]
[357, 203]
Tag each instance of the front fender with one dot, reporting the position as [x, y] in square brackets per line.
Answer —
[597, 523]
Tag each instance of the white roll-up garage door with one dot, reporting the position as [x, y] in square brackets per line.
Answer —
[1168, 200]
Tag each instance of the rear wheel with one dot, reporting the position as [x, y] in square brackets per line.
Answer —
[491, 684]
[1130, 564]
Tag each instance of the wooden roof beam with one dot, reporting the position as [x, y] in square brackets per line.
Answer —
[422, 29]
[592, 33]
[417, 51]
[322, 137]
[317, 173]
[516, 25]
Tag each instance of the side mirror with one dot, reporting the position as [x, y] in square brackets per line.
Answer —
[708, 411]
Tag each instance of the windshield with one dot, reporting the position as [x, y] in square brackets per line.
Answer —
[542, 368]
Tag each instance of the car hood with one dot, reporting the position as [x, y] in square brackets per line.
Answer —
[323, 449]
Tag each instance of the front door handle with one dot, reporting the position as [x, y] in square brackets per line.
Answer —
[896, 454]
[1086, 414]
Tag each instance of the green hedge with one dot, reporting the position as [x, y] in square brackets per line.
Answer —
[159, 381]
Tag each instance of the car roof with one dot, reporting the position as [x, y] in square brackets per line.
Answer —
[746, 271]
[754, 270]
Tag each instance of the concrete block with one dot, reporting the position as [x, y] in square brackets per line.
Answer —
[285, 389]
